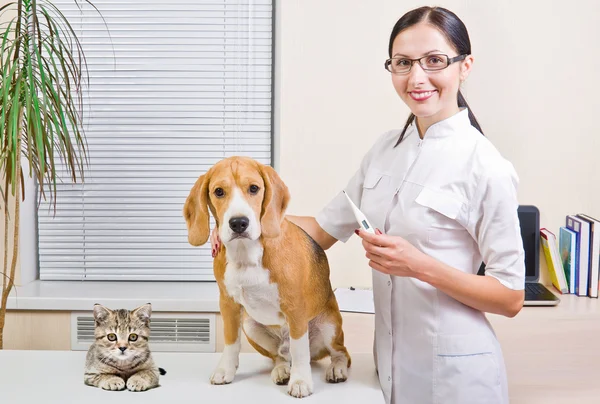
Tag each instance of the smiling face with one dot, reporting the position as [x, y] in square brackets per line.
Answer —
[430, 95]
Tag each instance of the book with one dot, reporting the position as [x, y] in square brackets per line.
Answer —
[568, 255]
[553, 261]
[593, 279]
[582, 228]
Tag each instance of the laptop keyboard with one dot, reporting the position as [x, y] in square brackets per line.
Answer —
[534, 289]
[536, 292]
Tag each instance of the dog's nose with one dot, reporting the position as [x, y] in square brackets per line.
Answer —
[122, 348]
[239, 224]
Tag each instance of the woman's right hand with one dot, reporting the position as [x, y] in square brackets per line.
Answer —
[215, 242]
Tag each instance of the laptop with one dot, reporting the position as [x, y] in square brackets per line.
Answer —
[536, 294]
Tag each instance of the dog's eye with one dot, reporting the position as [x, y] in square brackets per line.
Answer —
[111, 337]
[254, 189]
[219, 193]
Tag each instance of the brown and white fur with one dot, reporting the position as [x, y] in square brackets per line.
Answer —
[273, 278]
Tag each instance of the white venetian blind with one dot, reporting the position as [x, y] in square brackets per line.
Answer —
[174, 86]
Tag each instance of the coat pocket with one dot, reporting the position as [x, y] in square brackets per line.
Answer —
[442, 214]
[376, 195]
[467, 370]
[440, 202]
[372, 178]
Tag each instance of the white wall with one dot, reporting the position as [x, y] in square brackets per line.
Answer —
[534, 89]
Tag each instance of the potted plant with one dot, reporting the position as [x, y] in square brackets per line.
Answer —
[42, 74]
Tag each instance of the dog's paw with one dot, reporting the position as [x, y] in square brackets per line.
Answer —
[222, 376]
[337, 371]
[281, 374]
[114, 383]
[137, 383]
[300, 388]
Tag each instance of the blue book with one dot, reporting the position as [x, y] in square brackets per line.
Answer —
[568, 256]
[582, 228]
[575, 226]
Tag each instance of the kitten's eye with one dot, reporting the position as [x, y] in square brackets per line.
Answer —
[133, 337]
[112, 337]
[254, 189]
[219, 193]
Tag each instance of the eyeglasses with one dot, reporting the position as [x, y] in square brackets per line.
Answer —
[429, 63]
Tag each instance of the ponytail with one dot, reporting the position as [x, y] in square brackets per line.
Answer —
[462, 103]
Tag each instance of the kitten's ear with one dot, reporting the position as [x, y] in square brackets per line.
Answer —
[143, 312]
[101, 313]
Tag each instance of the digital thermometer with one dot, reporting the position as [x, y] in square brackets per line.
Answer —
[360, 217]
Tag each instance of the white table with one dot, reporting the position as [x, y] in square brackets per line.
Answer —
[46, 377]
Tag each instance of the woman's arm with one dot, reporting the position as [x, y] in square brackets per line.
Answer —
[309, 225]
[484, 293]
[395, 256]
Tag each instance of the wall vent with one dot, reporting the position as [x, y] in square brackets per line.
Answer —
[169, 332]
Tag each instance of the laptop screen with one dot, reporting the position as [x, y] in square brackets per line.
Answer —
[529, 220]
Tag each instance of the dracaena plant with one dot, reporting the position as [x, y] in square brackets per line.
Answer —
[42, 77]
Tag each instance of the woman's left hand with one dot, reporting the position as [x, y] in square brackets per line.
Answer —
[392, 255]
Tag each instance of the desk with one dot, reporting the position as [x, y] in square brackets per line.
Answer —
[552, 354]
[49, 377]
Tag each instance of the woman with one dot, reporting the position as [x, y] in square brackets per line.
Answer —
[445, 200]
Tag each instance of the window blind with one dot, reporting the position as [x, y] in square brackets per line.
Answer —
[174, 87]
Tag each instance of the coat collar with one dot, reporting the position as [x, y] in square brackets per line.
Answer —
[446, 127]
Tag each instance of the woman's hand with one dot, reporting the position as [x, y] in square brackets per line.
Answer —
[215, 242]
[394, 255]
[391, 255]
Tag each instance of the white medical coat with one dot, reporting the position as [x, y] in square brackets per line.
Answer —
[453, 196]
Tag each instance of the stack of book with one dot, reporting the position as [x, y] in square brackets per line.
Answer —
[574, 258]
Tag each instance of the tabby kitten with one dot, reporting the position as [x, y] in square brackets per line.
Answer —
[120, 356]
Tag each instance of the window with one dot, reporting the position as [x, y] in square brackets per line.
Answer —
[174, 86]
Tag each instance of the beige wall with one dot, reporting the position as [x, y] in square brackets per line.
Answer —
[47, 330]
[533, 88]
[51, 331]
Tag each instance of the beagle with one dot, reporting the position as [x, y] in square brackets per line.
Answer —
[273, 278]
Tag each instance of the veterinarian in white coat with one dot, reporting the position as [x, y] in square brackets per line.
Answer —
[445, 200]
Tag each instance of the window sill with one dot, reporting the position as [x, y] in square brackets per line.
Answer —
[76, 296]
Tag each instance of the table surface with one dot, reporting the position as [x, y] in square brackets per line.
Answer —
[552, 354]
[45, 377]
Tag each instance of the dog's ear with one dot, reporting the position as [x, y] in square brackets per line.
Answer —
[275, 201]
[195, 211]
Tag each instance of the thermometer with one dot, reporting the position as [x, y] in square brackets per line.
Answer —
[360, 217]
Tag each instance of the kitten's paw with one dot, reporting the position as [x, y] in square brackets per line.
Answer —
[222, 376]
[138, 383]
[281, 374]
[300, 388]
[337, 371]
[114, 383]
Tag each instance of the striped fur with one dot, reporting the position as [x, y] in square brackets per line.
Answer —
[125, 362]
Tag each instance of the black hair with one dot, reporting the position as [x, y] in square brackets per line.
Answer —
[455, 32]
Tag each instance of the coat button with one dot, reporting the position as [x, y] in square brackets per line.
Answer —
[389, 378]
[389, 283]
